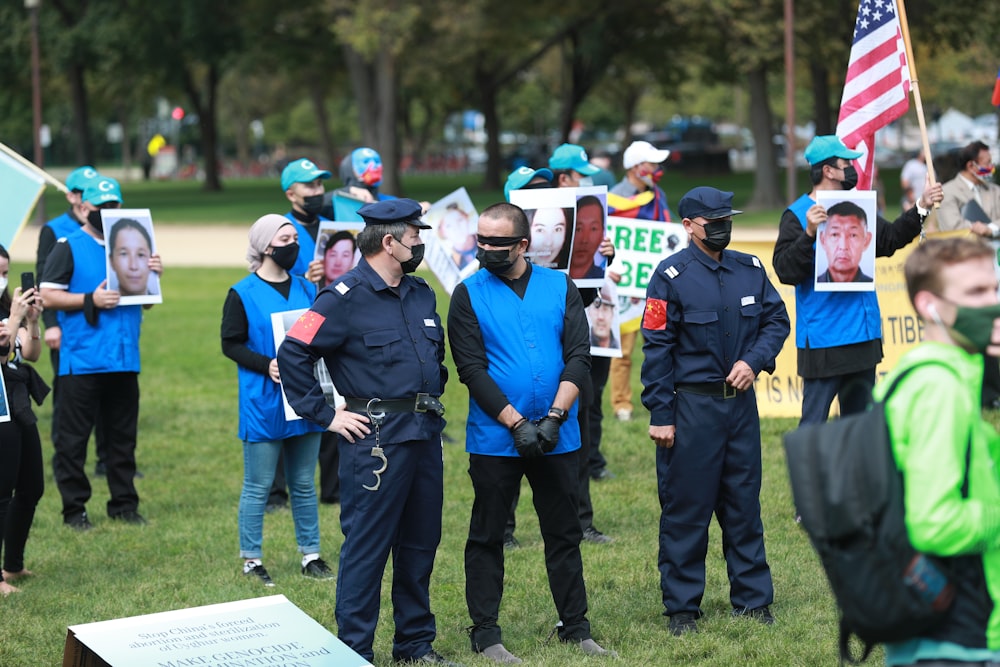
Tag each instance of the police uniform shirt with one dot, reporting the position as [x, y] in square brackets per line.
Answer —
[703, 316]
[377, 341]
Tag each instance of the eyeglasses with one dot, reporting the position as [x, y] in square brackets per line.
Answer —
[601, 303]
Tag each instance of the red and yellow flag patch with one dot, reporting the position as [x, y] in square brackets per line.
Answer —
[306, 326]
[654, 317]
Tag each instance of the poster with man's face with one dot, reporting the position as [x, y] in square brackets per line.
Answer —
[130, 245]
[845, 243]
[604, 321]
[337, 246]
[567, 227]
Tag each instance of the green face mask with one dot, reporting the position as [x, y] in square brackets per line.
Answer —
[973, 327]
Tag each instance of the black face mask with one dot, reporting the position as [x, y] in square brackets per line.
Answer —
[497, 262]
[717, 234]
[285, 256]
[850, 178]
[94, 219]
[417, 255]
[312, 205]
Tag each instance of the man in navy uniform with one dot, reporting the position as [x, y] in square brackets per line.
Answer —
[713, 321]
[378, 331]
[521, 345]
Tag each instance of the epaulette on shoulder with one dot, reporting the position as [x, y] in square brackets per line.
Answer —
[676, 268]
[420, 281]
[344, 285]
[749, 260]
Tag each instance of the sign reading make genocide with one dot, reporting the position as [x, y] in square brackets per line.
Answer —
[260, 631]
[640, 245]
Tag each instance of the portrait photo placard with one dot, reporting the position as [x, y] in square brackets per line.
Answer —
[845, 243]
[450, 243]
[281, 322]
[130, 243]
[604, 321]
[337, 247]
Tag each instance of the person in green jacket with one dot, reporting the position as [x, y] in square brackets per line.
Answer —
[934, 418]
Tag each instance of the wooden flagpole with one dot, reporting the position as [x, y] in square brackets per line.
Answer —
[915, 89]
[34, 167]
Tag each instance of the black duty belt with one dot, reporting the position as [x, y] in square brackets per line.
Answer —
[418, 403]
[715, 389]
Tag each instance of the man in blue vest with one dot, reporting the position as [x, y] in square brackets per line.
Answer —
[838, 334]
[98, 363]
[302, 183]
[520, 341]
[57, 228]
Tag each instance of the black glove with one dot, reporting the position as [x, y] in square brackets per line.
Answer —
[526, 439]
[548, 433]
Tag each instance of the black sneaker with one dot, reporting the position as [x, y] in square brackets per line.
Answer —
[130, 516]
[683, 622]
[762, 614]
[275, 506]
[257, 570]
[510, 542]
[432, 657]
[79, 522]
[595, 536]
[100, 470]
[602, 475]
[317, 569]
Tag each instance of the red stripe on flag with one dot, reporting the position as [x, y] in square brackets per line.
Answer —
[306, 327]
[996, 91]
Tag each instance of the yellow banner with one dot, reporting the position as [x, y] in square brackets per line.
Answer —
[780, 394]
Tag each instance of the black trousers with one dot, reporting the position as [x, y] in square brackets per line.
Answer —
[99, 429]
[111, 399]
[554, 485]
[22, 482]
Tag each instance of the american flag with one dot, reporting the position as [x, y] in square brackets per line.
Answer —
[877, 85]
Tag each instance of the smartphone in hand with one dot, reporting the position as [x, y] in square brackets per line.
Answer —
[27, 282]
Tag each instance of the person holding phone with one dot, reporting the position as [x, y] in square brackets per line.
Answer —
[22, 480]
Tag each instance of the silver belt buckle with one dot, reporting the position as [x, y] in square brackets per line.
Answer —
[728, 391]
[417, 405]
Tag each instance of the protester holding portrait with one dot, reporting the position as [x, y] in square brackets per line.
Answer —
[248, 339]
[838, 334]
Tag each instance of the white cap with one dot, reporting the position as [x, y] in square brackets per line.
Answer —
[643, 151]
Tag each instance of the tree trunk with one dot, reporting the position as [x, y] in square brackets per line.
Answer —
[765, 190]
[362, 76]
[822, 112]
[209, 131]
[491, 123]
[318, 98]
[81, 115]
[386, 138]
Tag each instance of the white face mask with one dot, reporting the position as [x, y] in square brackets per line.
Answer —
[3, 283]
[586, 182]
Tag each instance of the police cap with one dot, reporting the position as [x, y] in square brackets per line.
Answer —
[390, 211]
[706, 202]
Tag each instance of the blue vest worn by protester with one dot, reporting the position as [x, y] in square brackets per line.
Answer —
[832, 319]
[307, 246]
[262, 413]
[523, 341]
[63, 225]
[113, 345]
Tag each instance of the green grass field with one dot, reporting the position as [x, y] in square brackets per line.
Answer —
[188, 554]
[243, 201]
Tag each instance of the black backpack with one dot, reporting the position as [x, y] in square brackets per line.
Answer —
[849, 493]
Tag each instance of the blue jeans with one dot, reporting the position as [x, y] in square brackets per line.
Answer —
[259, 461]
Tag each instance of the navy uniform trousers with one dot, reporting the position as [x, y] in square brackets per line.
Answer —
[403, 517]
[713, 467]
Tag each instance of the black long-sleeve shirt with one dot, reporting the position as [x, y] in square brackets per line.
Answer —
[236, 330]
[469, 351]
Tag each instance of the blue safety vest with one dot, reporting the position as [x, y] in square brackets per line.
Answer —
[832, 319]
[307, 245]
[523, 343]
[262, 413]
[113, 345]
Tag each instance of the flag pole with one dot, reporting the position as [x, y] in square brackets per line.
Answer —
[915, 89]
[33, 167]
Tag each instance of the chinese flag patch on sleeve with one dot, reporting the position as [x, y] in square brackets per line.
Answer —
[305, 327]
[654, 317]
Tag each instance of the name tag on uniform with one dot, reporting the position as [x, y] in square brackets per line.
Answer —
[747, 300]
[429, 322]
